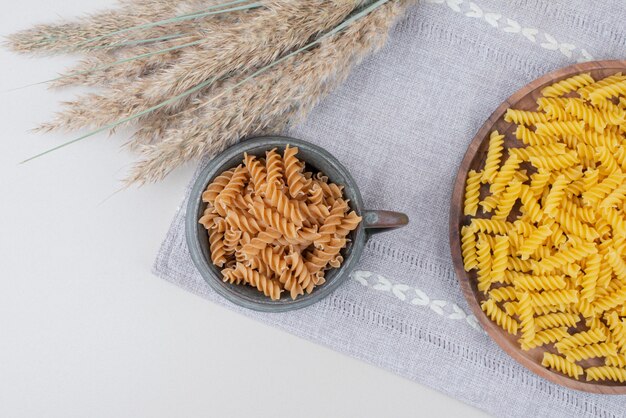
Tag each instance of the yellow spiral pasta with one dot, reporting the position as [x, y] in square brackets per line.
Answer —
[491, 226]
[501, 318]
[617, 361]
[524, 117]
[606, 373]
[554, 297]
[507, 200]
[566, 256]
[526, 316]
[546, 102]
[560, 128]
[557, 319]
[582, 213]
[585, 91]
[538, 150]
[555, 162]
[565, 264]
[546, 336]
[472, 193]
[617, 329]
[539, 181]
[615, 198]
[555, 196]
[468, 248]
[615, 89]
[601, 139]
[591, 351]
[558, 113]
[494, 156]
[561, 365]
[483, 259]
[505, 175]
[524, 281]
[608, 163]
[610, 301]
[536, 239]
[529, 137]
[590, 115]
[503, 293]
[567, 85]
[498, 263]
[580, 339]
[597, 193]
[590, 279]
[576, 228]
[620, 157]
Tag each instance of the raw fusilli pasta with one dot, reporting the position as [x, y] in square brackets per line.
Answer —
[547, 253]
[275, 227]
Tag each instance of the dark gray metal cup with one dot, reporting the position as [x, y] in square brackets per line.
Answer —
[317, 159]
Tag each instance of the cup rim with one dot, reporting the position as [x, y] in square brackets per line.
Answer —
[215, 167]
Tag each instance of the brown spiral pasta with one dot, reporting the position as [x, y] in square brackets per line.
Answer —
[269, 287]
[216, 245]
[293, 171]
[214, 189]
[272, 218]
[260, 242]
[234, 187]
[208, 217]
[274, 167]
[331, 223]
[278, 200]
[258, 172]
[274, 226]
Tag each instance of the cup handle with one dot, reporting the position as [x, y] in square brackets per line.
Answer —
[376, 221]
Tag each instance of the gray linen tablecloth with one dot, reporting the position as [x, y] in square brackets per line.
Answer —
[401, 125]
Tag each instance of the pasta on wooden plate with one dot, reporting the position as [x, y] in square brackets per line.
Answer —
[274, 226]
[546, 234]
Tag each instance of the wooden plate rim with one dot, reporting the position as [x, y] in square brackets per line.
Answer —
[456, 205]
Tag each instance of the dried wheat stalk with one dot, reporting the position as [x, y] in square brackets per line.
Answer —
[67, 37]
[192, 87]
[285, 94]
[252, 43]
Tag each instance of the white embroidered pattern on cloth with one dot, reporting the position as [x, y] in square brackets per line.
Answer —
[414, 296]
[473, 10]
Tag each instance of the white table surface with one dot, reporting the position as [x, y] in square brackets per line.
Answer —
[87, 331]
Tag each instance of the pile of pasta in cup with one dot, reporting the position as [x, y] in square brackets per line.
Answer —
[274, 226]
[549, 241]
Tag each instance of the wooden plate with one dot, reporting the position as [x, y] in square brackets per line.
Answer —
[474, 159]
